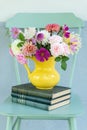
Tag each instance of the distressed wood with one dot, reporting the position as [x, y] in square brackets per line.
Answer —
[72, 124]
[9, 123]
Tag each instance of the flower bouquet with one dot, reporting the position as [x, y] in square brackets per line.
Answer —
[54, 40]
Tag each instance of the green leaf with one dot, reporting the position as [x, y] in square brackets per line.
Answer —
[9, 45]
[20, 44]
[39, 45]
[58, 59]
[65, 58]
[47, 46]
[21, 37]
[63, 65]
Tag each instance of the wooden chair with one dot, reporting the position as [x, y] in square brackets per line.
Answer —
[18, 111]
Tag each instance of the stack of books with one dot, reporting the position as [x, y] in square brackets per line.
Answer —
[50, 99]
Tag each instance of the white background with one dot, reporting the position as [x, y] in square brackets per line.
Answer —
[9, 7]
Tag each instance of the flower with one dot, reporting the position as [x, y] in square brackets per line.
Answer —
[15, 32]
[58, 49]
[29, 49]
[14, 48]
[42, 54]
[29, 32]
[53, 40]
[21, 59]
[53, 28]
[67, 34]
[65, 28]
[11, 52]
[40, 37]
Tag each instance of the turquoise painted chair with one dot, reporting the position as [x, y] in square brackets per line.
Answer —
[16, 112]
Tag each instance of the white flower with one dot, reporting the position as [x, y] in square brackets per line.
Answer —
[55, 39]
[29, 32]
[58, 49]
[14, 47]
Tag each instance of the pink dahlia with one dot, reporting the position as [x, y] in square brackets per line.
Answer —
[53, 28]
[58, 49]
[21, 59]
[29, 49]
[15, 32]
[42, 54]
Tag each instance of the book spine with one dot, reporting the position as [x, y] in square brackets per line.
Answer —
[31, 93]
[40, 105]
[31, 98]
[41, 100]
[30, 103]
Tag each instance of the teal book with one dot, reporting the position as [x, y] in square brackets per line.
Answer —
[30, 90]
[40, 105]
[41, 100]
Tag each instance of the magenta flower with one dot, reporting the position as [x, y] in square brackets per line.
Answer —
[67, 34]
[15, 32]
[65, 28]
[42, 54]
[40, 36]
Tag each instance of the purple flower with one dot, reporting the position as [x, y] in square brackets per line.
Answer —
[67, 34]
[33, 40]
[15, 32]
[42, 54]
[73, 47]
[40, 36]
[65, 28]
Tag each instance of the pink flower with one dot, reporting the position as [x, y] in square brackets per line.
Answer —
[55, 39]
[53, 28]
[21, 59]
[29, 49]
[15, 32]
[11, 52]
[58, 49]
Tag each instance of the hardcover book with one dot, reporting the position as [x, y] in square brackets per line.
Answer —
[40, 99]
[29, 90]
[40, 105]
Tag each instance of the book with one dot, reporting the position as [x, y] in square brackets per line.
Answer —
[29, 89]
[40, 105]
[40, 99]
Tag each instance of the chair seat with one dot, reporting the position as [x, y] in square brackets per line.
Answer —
[8, 108]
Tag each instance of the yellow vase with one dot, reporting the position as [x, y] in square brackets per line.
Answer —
[44, 76]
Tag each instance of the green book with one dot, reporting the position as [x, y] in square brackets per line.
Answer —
[29, 90]
[40, 99]
[40, 105]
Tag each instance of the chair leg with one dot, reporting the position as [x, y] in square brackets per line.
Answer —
[17, 125]
[72, 124]
[9, 123]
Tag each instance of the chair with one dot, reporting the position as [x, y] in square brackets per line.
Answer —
[69, 112]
